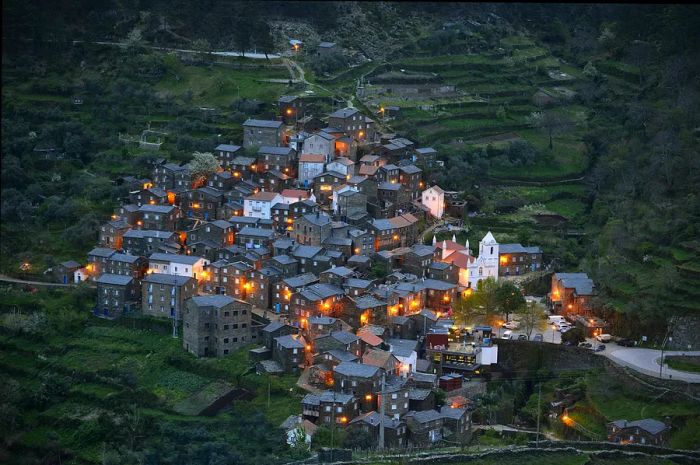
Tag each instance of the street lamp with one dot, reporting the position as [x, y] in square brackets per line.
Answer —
[553, 329]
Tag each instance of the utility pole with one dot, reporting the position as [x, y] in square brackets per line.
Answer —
[332, 424]
[381, 415]
[539, 412]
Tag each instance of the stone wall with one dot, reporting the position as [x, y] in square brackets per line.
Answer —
[684, 331]
[531, 356]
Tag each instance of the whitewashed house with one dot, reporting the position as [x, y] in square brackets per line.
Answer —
[260, 204]
[434, 199]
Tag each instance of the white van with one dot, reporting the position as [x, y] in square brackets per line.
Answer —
[556, 319]
[507, 335]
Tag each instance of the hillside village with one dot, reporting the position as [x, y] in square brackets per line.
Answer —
[368, 232]
[297, 244]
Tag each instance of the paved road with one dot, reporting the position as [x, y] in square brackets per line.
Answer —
[647, 361]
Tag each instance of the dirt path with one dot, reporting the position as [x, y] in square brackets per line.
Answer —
[8, 279]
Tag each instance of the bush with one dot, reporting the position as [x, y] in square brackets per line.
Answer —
[574, 336]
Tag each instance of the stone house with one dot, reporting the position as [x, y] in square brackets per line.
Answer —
[282, 159]
[400, 231]
[167, 175]
[320, 144]
[260, 284]
[442, 271]
[203, 203]
[274, 330]
[328, 407]
[421, 399]
[514, 259]
[288, 286]
[337, 340]
[382, 359]
[116, 295]
[335, 275]
[342, 165]
[410, 179]
[321, 326]
[571, 293]
[418, 260]
[289, 352]
[287, 265]
[351, 206]
[456, 423]
[159, 217]
[226, 153]
[148, 196]
[261, 133]
[395, 399]
[362, 381]
[352, 123]
[220, 232]
[222, 180]
[128, 213]
[312, 229]
[216, 325]
[363, 310]
[64, 271]
[439, 294]
[324, 184]
[145, 242]
[291, 108]
[395, 431]
[425, 156]
[243, 167]
[424, 427]
[164, 295]
[313, 300]
[126, 265]
[255, 237]
[97, 260]
[112, 233]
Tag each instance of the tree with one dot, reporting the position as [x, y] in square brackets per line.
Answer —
[202, 46]
[574, 336]
[481, 304]
[242, 34]
[262, 36]
[359, 439]
[203, 165]
[551, 123]
[509, 298]
[531, 317]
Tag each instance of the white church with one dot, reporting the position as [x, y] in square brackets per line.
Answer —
[472, 269]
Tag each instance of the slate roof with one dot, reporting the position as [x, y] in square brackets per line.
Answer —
[344, 336]
[418, 394]
[411, 169]
[339, 241]
[367, 301]
[217, 301]
[373, 419]
[174, 258]
[402, 347]
[320, 291]
[301, 280]
[423, 250]
[453, 413]
[517, 248]
[425, 416]
[123, 257]
[341, 271]
[261, 123]
[102, 251]
[322, 320]
[317, 219]
[437, 285]
[357, 283]
[162, 278]
[115, 279]
[426, 150]
[284, 260]
[272, 150]
[273, 326]
[289, 342]
[356, 369]
[579, 281]
[257, 232]
[70, 264]
[342, 355]
[227, 147]
[647, 424]
[326, 44]
[306, 251]
[389, 186]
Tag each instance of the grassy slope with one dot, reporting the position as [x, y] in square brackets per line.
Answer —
[100, 349]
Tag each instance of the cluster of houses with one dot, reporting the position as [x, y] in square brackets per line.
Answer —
[277, 248]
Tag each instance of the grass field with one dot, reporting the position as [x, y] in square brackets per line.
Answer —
[219, 86]
[691, 364]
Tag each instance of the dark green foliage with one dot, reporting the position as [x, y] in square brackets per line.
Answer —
[574, 336]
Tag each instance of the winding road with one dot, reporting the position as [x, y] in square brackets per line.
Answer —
[647, 361]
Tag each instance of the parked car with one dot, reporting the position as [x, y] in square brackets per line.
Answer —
[507, 335]
[538, 338]
[624, 342]
[556, 319]
[568, 343]
[563, 325]
[564, 329]
[522, 337]
[586, 345]
[511, 325]
[604, 337]
[600, 348]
